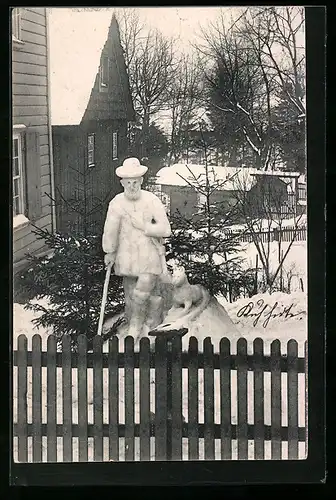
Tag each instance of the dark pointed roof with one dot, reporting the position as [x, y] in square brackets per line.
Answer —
[116, 102]
[77, 42]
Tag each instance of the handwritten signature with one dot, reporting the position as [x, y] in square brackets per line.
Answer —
[285, 313]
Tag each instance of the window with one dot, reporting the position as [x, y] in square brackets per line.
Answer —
[16, 24]
[18, 183]
[104, 73]
[115, 145]
[26, 175]
[91, 150]
[17, 43]
[302, 192]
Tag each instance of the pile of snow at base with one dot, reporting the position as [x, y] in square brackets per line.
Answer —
[283, 326]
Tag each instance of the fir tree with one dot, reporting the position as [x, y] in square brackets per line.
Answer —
[203, 244]
[72, 274]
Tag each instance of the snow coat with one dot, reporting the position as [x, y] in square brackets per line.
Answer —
[136, 252]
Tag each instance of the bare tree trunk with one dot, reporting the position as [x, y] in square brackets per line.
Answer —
[145, 134]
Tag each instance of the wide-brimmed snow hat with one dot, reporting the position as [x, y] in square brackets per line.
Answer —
[131, 168]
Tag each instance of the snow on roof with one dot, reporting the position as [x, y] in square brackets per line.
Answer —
[179, 174]
[76, 40]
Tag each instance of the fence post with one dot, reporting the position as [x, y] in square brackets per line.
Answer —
[169, 400]
[82, 399]
[22, 399]
[98, 398]
[113, 388]
[51, 399]
[37, 397]
[209, 403]
[144, 376]
[242, 427]
[160, 398]
[174, 408]
[292, 398]
[258, 389]
[276, 400]
[67, 398]
[193, 442]
[225, 399]
[129, 398]
[177, 415]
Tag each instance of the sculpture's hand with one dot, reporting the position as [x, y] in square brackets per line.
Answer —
[109, 259]
[137, 223]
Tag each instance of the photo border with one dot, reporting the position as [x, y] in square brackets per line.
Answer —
[234, 472]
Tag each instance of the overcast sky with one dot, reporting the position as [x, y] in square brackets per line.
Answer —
[183, 23]
[77, 36]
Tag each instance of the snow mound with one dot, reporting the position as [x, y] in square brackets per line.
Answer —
[271, 316]
[23, 323]
[282, 316]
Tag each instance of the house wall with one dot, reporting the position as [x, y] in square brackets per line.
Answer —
[225, 196]
[182, 199]
[70, 152]
[186, 200]
[30, 108]
[271, 188]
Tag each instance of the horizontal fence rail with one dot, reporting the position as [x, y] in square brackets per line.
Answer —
[285, 235]
[157, 404]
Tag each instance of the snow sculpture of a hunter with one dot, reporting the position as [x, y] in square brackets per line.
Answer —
[135, 226]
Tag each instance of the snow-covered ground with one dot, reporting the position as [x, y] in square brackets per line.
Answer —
[296, 259]
[294, 267]
[282, 326]
[281, 316]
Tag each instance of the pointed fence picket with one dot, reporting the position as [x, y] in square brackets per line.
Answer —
[82, 399]
[144, 397]
[67, 396]
[37, 398]
[113, 383]
[173, 424]
[176, 407]
[161, 410]
[258, 380]
[242, 424]
[51, 400]
[193, 428]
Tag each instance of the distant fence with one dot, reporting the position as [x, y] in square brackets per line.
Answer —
[286, 234]
[153, 387]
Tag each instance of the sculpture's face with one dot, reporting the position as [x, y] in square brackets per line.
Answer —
[132, 187]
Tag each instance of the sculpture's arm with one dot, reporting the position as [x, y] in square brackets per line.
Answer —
[110, 238]
[161, 227]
